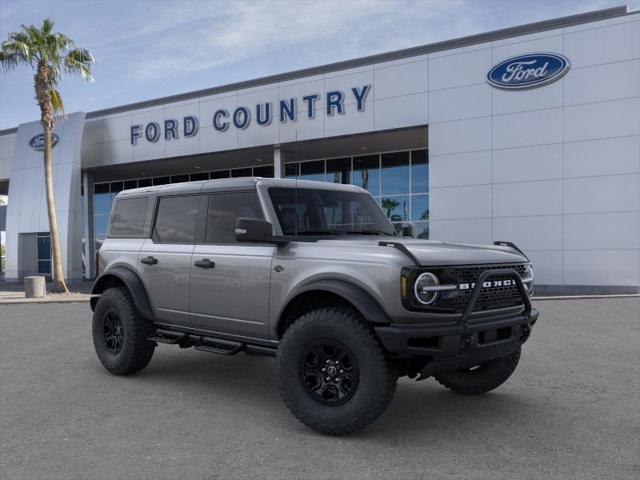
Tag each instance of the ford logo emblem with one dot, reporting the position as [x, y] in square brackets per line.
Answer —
[528, 71]
[37, 142]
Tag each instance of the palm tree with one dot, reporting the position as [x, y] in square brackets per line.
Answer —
[50, 54]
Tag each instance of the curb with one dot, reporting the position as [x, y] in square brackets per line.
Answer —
[22, 301]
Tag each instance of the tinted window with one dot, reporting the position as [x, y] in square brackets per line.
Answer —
[176, 219]
[224, 210]
[129, 217]
[306, 211]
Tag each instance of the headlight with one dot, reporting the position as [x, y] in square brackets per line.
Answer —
[425, 288]
[527, 279]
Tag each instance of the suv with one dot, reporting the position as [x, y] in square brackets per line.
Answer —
[315, 275]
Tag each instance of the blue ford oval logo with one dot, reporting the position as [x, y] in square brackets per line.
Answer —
[37, 142]
[528, 71]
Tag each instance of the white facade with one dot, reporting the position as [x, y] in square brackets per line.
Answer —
[554, 169]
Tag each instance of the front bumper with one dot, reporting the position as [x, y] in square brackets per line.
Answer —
[467, 342]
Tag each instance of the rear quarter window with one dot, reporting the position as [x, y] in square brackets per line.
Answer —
[129, 218]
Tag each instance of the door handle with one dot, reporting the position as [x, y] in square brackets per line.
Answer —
[149, 260]
[204, 263]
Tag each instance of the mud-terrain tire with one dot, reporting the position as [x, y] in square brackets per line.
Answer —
[334, 337]
[120, 334]
[481, 379]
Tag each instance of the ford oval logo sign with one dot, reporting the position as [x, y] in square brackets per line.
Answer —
[528, 71]
[37, 142]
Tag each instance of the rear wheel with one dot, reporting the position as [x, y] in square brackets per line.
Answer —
[120, 333]
[480, 378]
[333, 374]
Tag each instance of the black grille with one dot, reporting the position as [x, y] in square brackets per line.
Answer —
[490, 297]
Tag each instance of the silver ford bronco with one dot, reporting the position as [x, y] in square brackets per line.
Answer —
[315, 275]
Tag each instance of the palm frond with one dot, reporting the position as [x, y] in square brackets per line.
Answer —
[79, 61]
[56, 101]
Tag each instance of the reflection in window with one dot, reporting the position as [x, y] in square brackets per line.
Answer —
[176, 219]
[419, 207]
[395, 173]
[312, 171]
[291, 170]
[421, 230]
[396, 208]
[419, 171]
[241, 172]
[366, 173]
[338, 170]
[220, 174]
[223, 212]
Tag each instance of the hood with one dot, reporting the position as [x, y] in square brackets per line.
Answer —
[433, 252]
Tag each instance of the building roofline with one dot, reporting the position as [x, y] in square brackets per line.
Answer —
[494, 35]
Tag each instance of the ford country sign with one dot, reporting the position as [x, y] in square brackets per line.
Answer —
[528, 71]
[37, 142]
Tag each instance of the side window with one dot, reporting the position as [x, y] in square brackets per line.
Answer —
[129, 218]
[224, 210]
[176, 219]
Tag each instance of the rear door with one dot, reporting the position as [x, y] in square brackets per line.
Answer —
[165, 258]
[230, 279]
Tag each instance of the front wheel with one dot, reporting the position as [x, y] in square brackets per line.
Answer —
[333, 373]
[481, 378]
[120, 334]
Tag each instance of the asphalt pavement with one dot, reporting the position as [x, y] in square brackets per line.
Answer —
[571, 411]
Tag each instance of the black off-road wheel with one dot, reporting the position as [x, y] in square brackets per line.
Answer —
[333, 373]
[120, 334]
[481, 378]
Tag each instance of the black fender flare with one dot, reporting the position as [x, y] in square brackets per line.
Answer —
[133, 283]
[368, 306]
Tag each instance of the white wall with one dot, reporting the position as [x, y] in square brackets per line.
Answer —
[7, 151]
[555, 169]
[27, 207]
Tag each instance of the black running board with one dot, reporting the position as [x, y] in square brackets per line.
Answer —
[219, 346]
[205, 343]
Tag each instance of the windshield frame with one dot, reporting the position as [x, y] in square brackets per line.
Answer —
[381, 224]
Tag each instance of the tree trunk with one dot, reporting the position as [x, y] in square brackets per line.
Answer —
[59, 284]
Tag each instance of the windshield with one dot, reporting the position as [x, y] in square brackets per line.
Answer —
[311, 211]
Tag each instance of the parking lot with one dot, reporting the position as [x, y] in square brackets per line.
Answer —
[570, 411]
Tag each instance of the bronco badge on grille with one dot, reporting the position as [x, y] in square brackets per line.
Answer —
[487, 284]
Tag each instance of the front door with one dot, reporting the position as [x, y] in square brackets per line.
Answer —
[229, 279]
[165, 259]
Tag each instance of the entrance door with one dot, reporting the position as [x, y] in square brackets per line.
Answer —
[165, 259]
[229, 279]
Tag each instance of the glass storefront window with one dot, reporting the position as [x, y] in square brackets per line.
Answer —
[419, 171]
[396, 208]
[291, 170]
[265, 171]
[395, 173]
[366, 173]
[129, 184]
[161, 180]
[219, 174]
[421, 230]
[338, 170]
[196, 177]
[419, 207]
[312, 171]
[241, 172]
[179, 178]
[144, 182]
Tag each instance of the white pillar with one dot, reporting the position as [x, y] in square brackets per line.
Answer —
[87, 222]
[278, 163]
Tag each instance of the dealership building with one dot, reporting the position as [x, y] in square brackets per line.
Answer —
[529, 134]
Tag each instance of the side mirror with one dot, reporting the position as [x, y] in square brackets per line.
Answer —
[253, 230]
[408, 230]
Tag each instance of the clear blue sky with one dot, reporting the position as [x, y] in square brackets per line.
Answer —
[149, 49]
